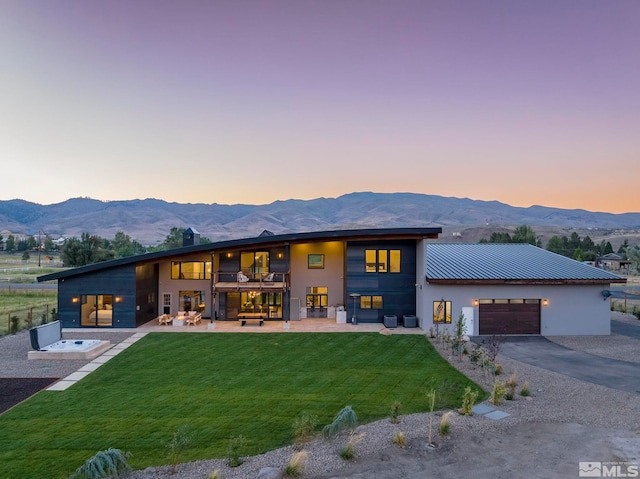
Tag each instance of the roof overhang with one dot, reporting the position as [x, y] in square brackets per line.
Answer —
[528, 282]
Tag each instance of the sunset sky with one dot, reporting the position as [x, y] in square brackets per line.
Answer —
[525, 102]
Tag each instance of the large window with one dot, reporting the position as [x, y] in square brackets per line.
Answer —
[269, 304]
[191, 301]
[317, 296]
[191, 270]
[371, 302]
[254, 263]
[382, 260]
[442, 312]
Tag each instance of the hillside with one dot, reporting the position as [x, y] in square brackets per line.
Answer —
[150, 220]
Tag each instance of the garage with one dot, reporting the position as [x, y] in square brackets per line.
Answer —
[509, 316]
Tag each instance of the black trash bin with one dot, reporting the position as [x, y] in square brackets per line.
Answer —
[409, 321]
[390, 321]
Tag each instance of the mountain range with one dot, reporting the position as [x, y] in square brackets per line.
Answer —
[150, 220]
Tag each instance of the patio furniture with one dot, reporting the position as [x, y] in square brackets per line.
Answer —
[244, 317]
[242, 278]
[193, 318]
[165, 319]
[269, 278]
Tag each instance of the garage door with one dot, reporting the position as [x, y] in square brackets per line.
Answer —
[509, 316]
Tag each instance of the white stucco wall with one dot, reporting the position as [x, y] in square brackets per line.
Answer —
[572, 309]
[332, 276]
[174, 286]
[420, 281]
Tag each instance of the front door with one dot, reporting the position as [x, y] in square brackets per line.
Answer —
[317, 301]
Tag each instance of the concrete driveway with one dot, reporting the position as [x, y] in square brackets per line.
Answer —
[612, 373]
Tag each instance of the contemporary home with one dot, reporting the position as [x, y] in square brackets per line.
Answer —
[373, 274]
[270, 277]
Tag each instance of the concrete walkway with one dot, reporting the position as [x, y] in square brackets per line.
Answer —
[539, 351]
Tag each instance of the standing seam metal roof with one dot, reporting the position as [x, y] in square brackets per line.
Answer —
[503, 262]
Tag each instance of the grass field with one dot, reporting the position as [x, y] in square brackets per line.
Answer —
[220, 386]
[15, 270]
[22, 302]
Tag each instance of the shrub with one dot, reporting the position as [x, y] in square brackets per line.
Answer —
[215, 474]
[498, 392]
[236, 444]
[458, 336]
[346, 419]
[109, 463]
[395, 412]
[399, 439]
[295, 466]
[348, 451]
[180, 442]
[498, 369]
[512, 384]
[468, 400]
[445, 424]
[15, 320]
[525, 389]
[304, 427]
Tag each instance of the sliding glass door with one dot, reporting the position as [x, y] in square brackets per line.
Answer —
[96, 310]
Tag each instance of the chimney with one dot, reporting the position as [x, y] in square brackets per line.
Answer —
[190, 237]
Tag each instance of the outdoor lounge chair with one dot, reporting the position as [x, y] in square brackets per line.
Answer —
[193, 318]
[242, 278]
[269, 278]
[165, 319]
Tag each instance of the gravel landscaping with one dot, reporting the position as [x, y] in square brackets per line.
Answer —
[545, 435]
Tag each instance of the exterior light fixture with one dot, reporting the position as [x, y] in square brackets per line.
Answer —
[475, 302]
[75, 299]
[229, 255]
[545, 302]
[118, 299]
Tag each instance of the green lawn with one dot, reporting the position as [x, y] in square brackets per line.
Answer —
[220, 386]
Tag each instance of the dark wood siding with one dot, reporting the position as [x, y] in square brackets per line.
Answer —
[509, 318]
[120, 281]
[147, 293]
[397, 289]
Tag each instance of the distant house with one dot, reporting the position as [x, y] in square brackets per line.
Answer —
[373, 273]
[614, 262]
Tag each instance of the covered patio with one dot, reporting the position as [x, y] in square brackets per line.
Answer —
[318, 325]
